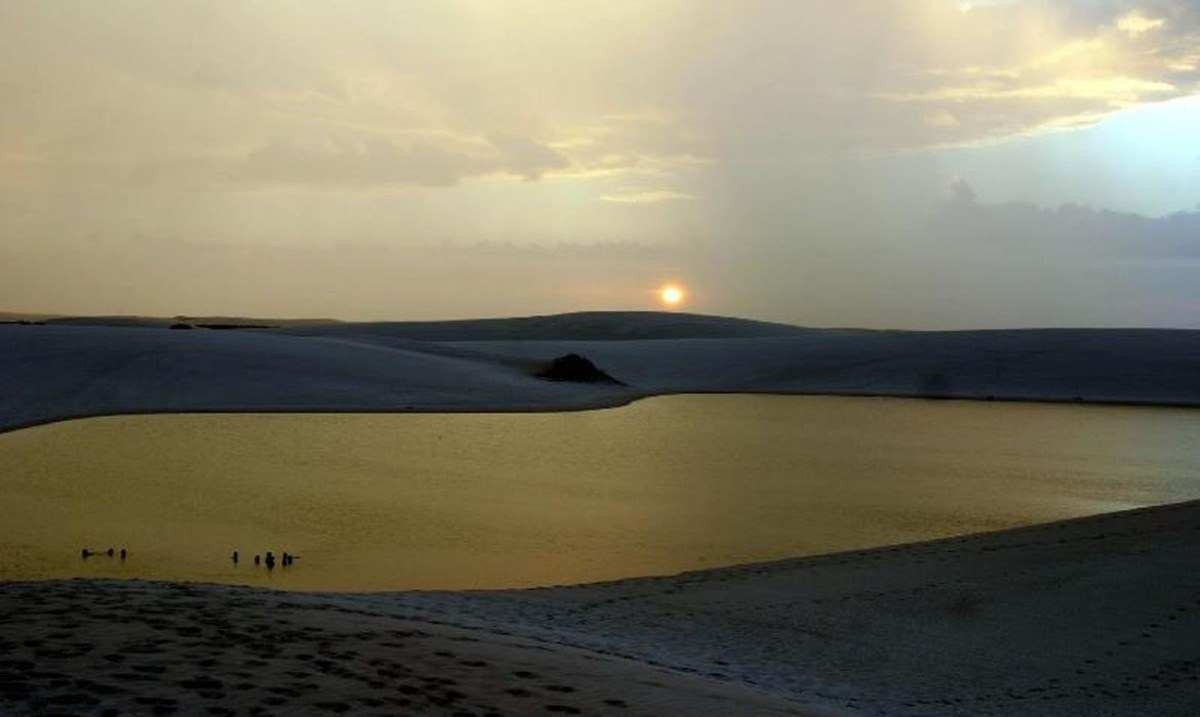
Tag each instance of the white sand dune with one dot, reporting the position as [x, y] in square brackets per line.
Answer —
[1085, 617]
[159, 648]
[59, 371]
[1098, 615]
[1097, 365]
[54, 372]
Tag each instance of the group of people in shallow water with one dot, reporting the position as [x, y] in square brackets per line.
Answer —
[286, 560]
[87, 553]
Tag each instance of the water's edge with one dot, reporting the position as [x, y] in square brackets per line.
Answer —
[596, 405]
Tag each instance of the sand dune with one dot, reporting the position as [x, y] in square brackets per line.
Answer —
[158, 648]
[578, 326]
[55, 372]
[1093, 616]
[1091, 365]
[1097, 615]
[63, 371]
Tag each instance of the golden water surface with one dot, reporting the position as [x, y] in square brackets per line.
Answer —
[375, 502]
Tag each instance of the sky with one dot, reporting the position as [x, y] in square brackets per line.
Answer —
[920, 164]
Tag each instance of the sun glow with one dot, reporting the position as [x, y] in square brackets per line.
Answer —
[671, 295]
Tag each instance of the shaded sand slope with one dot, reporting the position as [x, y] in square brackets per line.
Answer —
[1092, 616]
[1102, 365]
[53, 372]
[158, 648]
[63, 371]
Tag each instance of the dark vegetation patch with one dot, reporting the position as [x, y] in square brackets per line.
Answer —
[576, 368]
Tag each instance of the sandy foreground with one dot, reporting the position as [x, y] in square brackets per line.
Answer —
[1092, 616]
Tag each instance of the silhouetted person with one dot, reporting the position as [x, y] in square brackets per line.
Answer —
[270, 560]
[123, 553]
[257, 560]
[109, 552]
[85, 553]
[287, 559]
[235, 557]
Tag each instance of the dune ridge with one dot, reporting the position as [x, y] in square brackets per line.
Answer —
[56, 372]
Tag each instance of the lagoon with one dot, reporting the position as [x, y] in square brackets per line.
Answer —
[668, 484]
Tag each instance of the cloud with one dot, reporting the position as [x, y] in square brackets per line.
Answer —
[649, 88]
[1057, 65]
[801, 141]
[636, 195]
[375, 162]
[526, 157]
[366, 161]
[1135, 23]
[970, 264]
[1115, 89]
[1067, 229]
[649, 91]
[942, 118]
[962, 192]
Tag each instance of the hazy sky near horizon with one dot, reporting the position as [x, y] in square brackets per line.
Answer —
[907, 163]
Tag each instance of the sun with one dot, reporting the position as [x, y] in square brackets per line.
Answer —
[671, 295]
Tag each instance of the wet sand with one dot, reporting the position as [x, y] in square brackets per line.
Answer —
[1091, 616]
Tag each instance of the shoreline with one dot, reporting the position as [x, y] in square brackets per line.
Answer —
[683, 575]
[1192, 505]
[601, 405]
